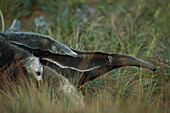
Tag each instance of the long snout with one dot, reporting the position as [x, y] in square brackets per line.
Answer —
[125, 60]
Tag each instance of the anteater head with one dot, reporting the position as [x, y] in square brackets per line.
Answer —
[59, 48]
[119, 60]
[37, 41]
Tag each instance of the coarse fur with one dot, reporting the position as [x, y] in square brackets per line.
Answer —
[16, 61]
[61, 85]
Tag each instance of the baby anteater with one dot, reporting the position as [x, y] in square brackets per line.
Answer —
[37, 41]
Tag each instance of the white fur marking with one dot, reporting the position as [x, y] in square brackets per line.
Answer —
[77, 98]
[33, 66]
[62, 66]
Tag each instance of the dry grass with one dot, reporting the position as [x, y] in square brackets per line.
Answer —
[138, 28]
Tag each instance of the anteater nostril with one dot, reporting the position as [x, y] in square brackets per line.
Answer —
[38, 73]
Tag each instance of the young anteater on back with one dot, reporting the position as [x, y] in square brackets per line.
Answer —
[37, 41]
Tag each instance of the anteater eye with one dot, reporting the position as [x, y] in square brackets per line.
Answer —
[62, 51]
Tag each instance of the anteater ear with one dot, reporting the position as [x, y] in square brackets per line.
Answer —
[54, 49]
[15, 27]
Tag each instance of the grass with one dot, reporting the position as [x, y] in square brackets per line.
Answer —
[138, 28]
[2, 18]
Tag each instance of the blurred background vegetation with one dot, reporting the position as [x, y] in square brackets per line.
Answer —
[139, 28]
